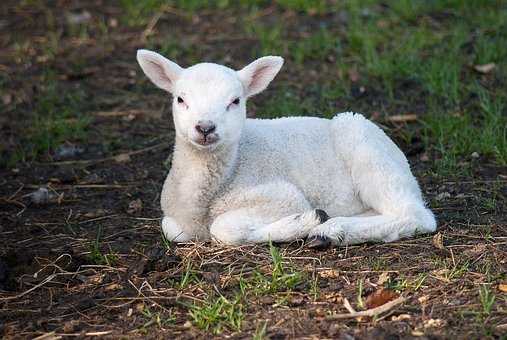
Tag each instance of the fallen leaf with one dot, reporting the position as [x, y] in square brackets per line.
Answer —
[329, 273]
[485, 68]
[333, 298]
[438, 241]
[503, 287]
[379, 297]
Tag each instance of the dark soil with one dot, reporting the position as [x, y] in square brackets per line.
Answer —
[89, 260]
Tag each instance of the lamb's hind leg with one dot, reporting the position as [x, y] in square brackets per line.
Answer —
[378, 228]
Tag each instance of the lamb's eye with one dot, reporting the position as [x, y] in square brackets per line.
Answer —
[235, 101]
[180, 100]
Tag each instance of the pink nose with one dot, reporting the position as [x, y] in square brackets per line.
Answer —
[205, 127]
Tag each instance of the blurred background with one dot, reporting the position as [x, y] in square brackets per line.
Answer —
[433, 71]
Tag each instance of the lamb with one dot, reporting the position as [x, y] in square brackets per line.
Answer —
[238, 180]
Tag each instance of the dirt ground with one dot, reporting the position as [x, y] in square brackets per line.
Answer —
[81, 253]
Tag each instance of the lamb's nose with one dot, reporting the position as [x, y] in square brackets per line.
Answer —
[205, 127]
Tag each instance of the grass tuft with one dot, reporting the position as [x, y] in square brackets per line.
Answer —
[217, 314]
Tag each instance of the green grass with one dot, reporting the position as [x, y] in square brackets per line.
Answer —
[156, 319]
[58, 117]
[481, 129]
[270, 39]
[487, 299]
[401, 284]
[260, 332]
[283, 278]
[188, 277]
[317, 46]
[216, 314]
[283, 103]
[96, 255]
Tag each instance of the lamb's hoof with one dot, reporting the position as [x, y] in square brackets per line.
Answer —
[322, 215]
[318, 242]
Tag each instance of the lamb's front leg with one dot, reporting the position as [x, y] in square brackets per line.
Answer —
[275, 211]
[173, 231]
[247, 226]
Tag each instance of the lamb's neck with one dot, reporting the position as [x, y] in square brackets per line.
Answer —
[217, 165]
[195, 179]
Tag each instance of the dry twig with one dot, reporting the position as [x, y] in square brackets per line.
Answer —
[370, 312]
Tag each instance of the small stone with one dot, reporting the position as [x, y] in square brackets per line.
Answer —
[78, 18]
[112, 22]
[67, 151]
[424, 157]
[92, 179]
[122, 158]
[7, 98]
[297, 300]
[267, 300]
[41, 196]
[485, 68]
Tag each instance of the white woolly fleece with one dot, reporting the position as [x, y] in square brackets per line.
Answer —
[263, 180]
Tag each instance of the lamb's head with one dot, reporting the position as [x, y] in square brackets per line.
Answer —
[209, 100]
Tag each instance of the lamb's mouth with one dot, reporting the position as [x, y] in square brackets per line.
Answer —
[206, 141]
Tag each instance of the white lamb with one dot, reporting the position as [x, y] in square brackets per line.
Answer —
[241, 180]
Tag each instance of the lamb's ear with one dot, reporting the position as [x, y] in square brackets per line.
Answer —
[161, 71]
[257, 75]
